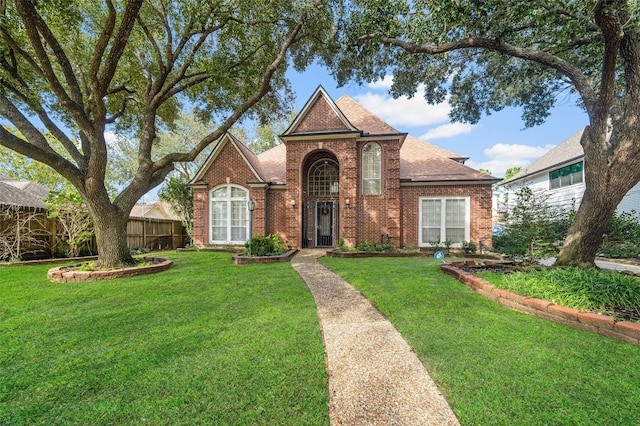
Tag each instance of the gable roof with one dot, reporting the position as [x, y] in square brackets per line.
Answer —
[420, 161]
[334, 121]
[247, 155]
[22, 193]
[363, 119]
[567, 151]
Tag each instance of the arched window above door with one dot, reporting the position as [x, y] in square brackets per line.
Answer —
[323, 178]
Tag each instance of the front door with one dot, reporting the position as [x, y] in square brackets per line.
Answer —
[324, 224]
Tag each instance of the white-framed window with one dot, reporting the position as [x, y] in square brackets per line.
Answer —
[444, 219]
[228, 215]
[371, 169]
[567, 175]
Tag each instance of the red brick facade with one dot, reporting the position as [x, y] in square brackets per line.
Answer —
[323, 134]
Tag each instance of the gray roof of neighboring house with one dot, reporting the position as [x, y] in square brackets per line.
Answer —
[22, 193]
[567, 151]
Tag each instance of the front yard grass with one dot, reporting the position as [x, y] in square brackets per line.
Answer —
[494, 365]
[206, 342]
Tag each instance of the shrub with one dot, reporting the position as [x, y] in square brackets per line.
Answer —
[532, 228]
[469, 247]
[622, 237]
[369, 246]
[269, 245]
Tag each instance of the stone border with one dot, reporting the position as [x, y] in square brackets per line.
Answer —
[63, 275]
[601, 324]
[241, 259]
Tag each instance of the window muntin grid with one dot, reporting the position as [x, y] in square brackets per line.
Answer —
[444, 219]
[323, 178]
[371, 169]
[229, 216]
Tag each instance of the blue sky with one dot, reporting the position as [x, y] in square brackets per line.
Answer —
[497, 142]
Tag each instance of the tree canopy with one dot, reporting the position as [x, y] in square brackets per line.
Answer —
[79, 68]
[483, 56]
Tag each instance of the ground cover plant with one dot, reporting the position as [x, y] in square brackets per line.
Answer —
[206, 342]
[601, 291]
[494, 365]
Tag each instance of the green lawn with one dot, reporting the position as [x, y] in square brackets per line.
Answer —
[496, 366]
[206, 342]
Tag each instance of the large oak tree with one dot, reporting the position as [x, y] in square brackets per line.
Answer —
[79, 68]
[489, 54]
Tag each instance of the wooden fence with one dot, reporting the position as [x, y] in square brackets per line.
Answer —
[155, 234]
[35, 238]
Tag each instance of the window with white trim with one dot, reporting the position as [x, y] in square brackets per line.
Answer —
[371, 169]
[565, 176]
[228, 215]
[444, 219]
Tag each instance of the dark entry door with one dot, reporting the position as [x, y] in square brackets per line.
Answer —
[324, 224]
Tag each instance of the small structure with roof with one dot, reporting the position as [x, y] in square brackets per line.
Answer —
[559, 175]
[341, 175]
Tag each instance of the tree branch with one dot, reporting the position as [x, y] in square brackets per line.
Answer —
[103, 41]
[32, 22]
[575, 75]
[39, 153]
[120, 42]
[260, 92]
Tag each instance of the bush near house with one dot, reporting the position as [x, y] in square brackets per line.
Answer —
[269, 245]
[535, 230]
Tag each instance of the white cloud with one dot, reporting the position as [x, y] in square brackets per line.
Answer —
[516, 151]
[448, 131]
[504, 156]
[385, 83]
[404, 111]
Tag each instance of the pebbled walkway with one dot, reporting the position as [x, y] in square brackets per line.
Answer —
[374, 376]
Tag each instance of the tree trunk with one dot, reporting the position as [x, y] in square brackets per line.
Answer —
[111, 237]
[585, 233]
[608, 178]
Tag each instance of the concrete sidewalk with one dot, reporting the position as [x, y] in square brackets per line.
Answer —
[374, 376]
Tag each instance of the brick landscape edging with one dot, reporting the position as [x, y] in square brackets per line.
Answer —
[62, 274]
[601, 324]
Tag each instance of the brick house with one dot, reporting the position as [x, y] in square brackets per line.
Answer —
[341, 173]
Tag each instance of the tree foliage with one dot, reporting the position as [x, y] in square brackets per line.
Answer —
[79, 68]
[74, 226]
[483, 56]
[532, 228]
[177, 192]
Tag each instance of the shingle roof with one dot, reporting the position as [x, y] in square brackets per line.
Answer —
[568, 150]
[420, 161]
[22, 193]
[156, 210]
[363, 119]
[273, 162]
[423, 162]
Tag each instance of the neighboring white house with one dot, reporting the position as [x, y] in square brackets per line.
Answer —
[559, 174]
